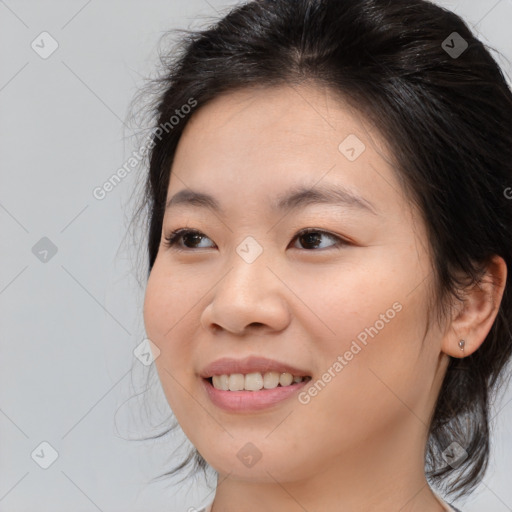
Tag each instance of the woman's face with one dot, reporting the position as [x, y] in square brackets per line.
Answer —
[346, 304]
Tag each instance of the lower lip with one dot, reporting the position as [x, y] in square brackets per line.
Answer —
[241, 401]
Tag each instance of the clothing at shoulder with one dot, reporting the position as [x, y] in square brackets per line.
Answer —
[209, 508]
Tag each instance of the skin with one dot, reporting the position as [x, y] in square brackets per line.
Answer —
[358, 444]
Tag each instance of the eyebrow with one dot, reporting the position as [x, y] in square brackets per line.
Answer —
[298, 197]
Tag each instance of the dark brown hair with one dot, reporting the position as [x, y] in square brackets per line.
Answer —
[447, 119]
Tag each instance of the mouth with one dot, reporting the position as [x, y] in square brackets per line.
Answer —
[246, 393]
[255, 381]
[251, 384]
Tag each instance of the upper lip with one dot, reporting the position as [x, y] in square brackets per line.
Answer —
[247, 365]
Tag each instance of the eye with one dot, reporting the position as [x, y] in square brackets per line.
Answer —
[310, 238]
[191, 235]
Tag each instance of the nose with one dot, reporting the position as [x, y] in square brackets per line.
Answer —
[249, 298]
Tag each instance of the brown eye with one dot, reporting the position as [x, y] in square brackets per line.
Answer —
[184, 239]
[190, 237]
[311, 238]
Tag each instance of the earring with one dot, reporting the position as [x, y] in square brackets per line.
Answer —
[461, 344]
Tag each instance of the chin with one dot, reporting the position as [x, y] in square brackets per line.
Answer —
[266, 469]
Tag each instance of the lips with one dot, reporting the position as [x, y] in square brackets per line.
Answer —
[251, 364]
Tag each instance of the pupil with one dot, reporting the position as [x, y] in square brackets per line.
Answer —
[311, 238]
[194, 235]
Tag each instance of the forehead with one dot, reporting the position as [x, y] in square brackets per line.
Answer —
[295, 119]
[258, 141]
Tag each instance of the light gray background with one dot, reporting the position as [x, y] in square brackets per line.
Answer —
[69, 325]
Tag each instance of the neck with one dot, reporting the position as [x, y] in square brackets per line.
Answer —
[375, 475]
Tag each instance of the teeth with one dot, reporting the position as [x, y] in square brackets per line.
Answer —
[285, 379]
[270, 380]
[236, 382]
[254, 381]
[222, 382]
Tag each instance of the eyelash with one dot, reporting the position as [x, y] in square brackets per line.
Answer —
[172, 238]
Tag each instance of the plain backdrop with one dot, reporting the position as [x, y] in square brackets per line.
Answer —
[70, 303]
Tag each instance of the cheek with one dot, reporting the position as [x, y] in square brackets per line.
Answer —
[356, 299]
[372, 389]
[165, 315]
[368, 347]
[170, 301]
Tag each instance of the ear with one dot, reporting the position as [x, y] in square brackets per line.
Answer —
[473, 319]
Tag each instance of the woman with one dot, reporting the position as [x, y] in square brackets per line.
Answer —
[329, 238]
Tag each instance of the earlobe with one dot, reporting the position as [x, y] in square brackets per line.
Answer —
[473, 320]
